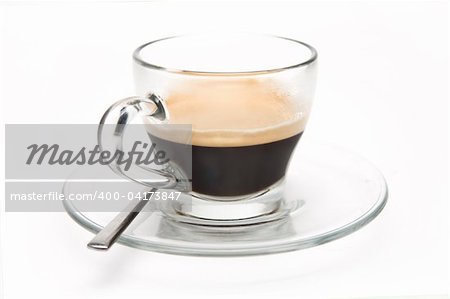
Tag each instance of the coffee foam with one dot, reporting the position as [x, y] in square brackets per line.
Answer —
[234, 112]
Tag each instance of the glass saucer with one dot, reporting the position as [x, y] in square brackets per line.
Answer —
[330, 193]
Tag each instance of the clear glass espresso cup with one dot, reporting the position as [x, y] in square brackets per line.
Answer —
[246, 99]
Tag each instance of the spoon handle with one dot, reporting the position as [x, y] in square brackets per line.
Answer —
[109, 234]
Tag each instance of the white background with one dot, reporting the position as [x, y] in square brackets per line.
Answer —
[382, 92]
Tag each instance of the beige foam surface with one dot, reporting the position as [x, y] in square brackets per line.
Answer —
[237, 112]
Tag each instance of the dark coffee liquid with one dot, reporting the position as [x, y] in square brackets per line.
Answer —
[243, 133]
[232, 171]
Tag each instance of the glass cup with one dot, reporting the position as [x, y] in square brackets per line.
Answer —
[246, 99]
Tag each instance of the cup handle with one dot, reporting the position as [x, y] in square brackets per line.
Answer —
[119, 115]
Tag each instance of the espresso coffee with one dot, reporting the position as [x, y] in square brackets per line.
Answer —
[243, 134]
